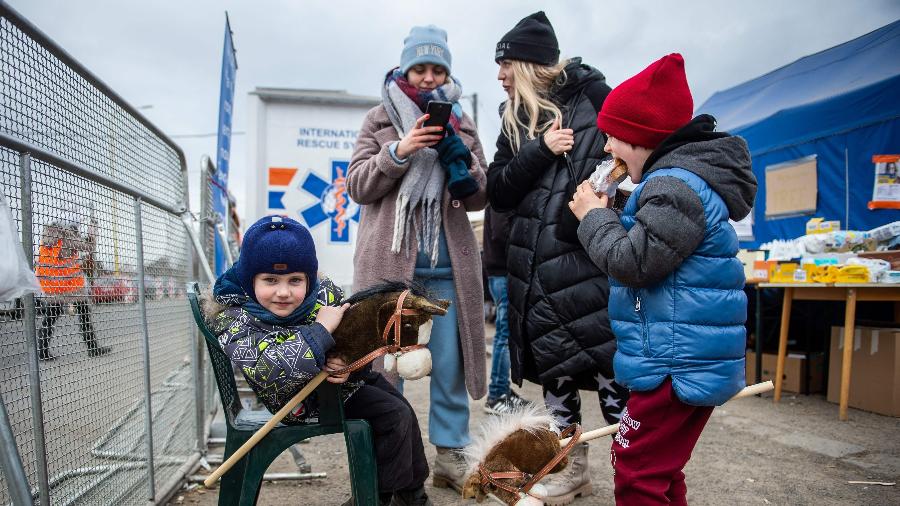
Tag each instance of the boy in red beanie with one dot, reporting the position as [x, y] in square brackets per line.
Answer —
[676, 301]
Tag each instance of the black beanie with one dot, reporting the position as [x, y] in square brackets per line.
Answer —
[532, 39]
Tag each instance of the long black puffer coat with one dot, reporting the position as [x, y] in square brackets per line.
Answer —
[557, 297]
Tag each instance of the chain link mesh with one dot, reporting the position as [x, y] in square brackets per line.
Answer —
[51, 105]
[89, 329]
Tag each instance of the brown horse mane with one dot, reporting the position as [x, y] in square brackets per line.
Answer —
[386, 286]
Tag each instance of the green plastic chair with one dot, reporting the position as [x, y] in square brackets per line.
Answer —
[241, 484]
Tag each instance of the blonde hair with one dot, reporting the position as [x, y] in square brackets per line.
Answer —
[531, 100]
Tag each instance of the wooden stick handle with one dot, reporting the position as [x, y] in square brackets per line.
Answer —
[265, 429]
[747, 391]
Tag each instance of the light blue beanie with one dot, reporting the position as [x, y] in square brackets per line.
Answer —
[425, 44]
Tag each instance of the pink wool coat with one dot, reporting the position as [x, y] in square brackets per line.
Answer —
[373, 181]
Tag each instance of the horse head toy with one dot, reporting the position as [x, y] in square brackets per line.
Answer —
[393, 320]
[513, 452]
[393, 315]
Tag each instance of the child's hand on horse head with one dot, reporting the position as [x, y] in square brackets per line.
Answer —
[330, 316]
[335, 363]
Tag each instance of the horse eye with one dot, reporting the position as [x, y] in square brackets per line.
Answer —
[407, 324]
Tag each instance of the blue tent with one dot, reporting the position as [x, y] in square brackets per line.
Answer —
[841, 105]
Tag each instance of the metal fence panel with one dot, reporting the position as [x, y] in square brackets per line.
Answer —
[92, 156]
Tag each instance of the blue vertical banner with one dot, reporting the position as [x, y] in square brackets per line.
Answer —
[223, 147]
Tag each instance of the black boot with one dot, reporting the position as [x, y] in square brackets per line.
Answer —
[384, 499]
[416, 497]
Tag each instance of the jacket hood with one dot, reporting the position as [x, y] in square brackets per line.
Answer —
[721, 159]
[578, 75]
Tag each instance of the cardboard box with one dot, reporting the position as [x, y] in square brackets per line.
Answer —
[794, 377]
[820, 226]
[874, 371]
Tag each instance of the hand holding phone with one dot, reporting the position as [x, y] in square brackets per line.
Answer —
[422, 135]
[438, 113]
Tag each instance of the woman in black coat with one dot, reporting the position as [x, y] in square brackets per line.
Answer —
[560, 335]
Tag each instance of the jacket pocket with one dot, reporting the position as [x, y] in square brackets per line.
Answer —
[645, 331]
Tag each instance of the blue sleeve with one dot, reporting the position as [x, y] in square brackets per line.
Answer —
[393, 150]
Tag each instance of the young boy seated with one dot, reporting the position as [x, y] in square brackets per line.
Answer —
[276, 326]
[677, 303]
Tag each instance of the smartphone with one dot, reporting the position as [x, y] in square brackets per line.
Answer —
[439, 113]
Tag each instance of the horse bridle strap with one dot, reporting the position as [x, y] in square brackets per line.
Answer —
[573, 430]
[395, 322]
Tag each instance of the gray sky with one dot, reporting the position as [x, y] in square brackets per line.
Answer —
[168, 53]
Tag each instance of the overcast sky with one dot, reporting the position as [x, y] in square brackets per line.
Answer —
[167, 54]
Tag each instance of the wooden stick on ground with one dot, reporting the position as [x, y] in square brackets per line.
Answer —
[265, 429]
[612, 429]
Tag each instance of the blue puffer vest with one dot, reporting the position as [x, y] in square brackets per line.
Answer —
[689, 326]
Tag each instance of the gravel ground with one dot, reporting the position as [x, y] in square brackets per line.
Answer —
[752, 452]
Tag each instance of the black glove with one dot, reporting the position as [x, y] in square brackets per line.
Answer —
[456, 159]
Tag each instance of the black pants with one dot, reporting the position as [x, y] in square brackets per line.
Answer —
[53, 311]
[398, 442]
[562, 397]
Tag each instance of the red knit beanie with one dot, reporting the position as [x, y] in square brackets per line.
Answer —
[648, 107]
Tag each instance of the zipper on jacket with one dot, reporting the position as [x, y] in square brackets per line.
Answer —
[645, 334]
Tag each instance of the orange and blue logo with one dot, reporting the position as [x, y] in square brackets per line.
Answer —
[334, 204]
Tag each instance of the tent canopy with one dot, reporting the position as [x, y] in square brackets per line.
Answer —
[841, 105]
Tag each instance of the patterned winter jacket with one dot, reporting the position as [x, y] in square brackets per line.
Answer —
[279, 361]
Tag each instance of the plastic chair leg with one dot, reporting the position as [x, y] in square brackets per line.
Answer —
[361, 457]
[232, 483]
[253, 476]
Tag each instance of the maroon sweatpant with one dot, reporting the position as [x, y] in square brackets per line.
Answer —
[656, 436]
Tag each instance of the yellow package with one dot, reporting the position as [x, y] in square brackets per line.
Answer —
[825, 274]
[853, 274]
[788, 272]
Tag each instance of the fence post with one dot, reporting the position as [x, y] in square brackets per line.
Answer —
[11, 462]
[28, 318]
[142, 300]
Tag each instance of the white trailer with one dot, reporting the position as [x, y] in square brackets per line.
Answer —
[299, 144]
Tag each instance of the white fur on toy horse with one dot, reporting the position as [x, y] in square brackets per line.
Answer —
[415, 364]
[530, 417]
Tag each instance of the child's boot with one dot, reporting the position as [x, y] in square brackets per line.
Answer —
[384, 499]
[416, 497]
[449, 469]
[573, 481]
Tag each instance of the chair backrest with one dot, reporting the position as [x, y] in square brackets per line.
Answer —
[221, 364]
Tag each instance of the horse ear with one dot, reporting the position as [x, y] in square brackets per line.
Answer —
[438, 307]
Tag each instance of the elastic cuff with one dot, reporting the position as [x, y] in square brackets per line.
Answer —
[545, 150]
[388, 165]
[320, 341]
[592, 221]
[393, 151]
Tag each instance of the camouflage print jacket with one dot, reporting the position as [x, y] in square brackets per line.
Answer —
[279, 361]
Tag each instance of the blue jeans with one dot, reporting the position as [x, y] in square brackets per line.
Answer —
[499, 384]
[448, 414]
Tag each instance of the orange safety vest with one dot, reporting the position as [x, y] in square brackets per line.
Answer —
[58, 275]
